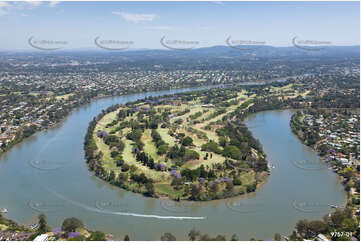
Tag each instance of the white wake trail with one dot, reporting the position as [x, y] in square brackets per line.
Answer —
[93, 209]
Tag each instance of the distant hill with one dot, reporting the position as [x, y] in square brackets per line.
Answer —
[247, 52]
[216, 52]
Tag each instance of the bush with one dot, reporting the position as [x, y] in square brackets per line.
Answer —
[135, 134]
[251, 187]
[211, 146]
[77, 238]
[168, 237]
[187, 141]
[97, 236]
[237, 182]
[163, 149]
[233, 152]
[191, 155]
[114, 153]
[119, 163]
[125, 167]
[71, 224]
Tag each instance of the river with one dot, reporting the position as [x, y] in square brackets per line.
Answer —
[47, 173]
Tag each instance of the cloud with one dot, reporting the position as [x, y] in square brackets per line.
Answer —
[135, 17]
[6, 7]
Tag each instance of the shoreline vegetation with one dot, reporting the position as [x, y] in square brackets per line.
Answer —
[334, 135]
[71, 229]
[181, 147]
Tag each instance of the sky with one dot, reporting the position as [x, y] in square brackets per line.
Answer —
[139, 25]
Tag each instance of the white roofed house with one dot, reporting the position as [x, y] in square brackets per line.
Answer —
[345, 162]
[321, 237]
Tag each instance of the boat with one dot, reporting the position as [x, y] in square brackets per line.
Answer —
[33, 226]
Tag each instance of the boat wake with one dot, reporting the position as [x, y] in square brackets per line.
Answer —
[94, 209]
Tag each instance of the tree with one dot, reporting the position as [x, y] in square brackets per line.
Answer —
[213, 188]
[126, 238]
[347, 172]
[150, 189]
[97, 236]
[234, 237]
[293, 236]
[187, 141]
[348, 224]
[195, 192]
[211, 146]
[78, 238]
[251, 187]
[229, 187]
[317, 226]
[237, 181]
[193, 234]
[71, 224]
[42, 223]
[337, 217]
[111, 177]
[302, 226]
[277, 237]
[125, 167]
[233, 152]
[191, 155]
[162, 149]
[168, 237]
[221, 237]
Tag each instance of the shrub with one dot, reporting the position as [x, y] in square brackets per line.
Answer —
[211, 146]
[71, 224]
[125, 167]
[237, 182]
[233, 152]
[187, 141]
[191, 155]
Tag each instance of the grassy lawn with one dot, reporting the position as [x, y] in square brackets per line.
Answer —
[193, 110]
[105, 120]
[195, 164]
[165, 188]
[65, 97]
[149, 146]
[166, 137]
[247, 178]
[129, 158]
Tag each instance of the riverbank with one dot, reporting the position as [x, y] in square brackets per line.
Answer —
[321, 131]
[72, 229]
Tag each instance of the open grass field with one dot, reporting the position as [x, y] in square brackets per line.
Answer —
[65, 97]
